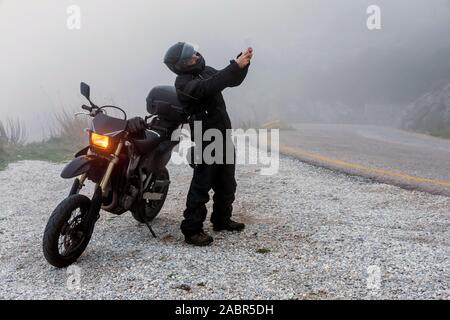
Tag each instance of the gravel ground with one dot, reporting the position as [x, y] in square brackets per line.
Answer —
[311, 234]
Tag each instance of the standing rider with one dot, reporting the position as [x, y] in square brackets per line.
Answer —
[200, 87]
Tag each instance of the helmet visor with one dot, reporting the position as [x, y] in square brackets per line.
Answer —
[188, 51]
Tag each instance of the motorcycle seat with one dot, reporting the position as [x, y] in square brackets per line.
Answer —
[151, 140]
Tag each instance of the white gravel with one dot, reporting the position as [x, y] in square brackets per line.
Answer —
[311, 234]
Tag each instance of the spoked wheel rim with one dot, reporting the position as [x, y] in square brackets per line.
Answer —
[152, 207]
[72, 234]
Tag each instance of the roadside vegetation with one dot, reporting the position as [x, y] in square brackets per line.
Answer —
[256, 120]
[443, 132]
[63, 138]
[65, 135]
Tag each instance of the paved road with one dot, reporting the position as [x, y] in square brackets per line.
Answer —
[405, 159]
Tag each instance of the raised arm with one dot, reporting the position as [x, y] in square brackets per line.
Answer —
[191, 89]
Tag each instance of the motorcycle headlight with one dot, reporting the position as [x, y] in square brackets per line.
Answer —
[99, 140]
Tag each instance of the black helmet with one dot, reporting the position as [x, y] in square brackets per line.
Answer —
[177, 55]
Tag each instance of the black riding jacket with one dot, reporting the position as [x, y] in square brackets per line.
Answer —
[202, 91]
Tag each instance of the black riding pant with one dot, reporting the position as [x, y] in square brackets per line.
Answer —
[221, 179]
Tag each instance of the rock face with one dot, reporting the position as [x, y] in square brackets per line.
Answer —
[430, 113]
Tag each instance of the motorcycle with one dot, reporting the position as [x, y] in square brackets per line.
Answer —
[128, 170]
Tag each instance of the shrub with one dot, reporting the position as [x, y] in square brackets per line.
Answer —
[68, 129]
[13, 133]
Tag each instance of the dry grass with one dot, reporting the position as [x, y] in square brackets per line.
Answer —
[13, 133]
[68, 128]
[64, 136]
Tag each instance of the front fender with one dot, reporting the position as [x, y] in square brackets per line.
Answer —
[79, 165]
[82, 152]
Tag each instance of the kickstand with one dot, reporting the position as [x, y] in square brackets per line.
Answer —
[151, 230]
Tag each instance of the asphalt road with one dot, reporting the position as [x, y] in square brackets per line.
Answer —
[409, 160]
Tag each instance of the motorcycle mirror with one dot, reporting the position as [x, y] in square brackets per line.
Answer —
[85, 90]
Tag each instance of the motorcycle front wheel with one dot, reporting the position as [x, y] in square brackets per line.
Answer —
[64, 237]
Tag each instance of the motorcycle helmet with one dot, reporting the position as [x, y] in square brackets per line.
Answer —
[178, 58]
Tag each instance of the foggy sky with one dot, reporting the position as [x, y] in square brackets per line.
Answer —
[309, 50]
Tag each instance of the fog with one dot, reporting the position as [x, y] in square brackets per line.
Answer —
[314, 60]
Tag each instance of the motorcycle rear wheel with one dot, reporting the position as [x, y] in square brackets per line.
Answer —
[147, 210]
[64, 238]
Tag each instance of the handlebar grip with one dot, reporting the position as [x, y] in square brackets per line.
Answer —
[147, 125]
[85, 107]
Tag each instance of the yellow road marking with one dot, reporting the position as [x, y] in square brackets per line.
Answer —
[292, 151]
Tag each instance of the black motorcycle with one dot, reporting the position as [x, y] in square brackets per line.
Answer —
[128, 170]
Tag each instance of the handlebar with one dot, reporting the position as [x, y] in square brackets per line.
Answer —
[87, 108]
[94, 110]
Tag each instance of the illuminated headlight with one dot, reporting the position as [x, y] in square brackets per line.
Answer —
[99, 140]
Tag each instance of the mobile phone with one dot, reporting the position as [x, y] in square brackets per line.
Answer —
[247, 42]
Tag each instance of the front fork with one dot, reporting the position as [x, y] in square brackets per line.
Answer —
[97, 199]
[112, 163]
[78, 183]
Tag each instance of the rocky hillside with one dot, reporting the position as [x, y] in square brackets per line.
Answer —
[430, 113]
